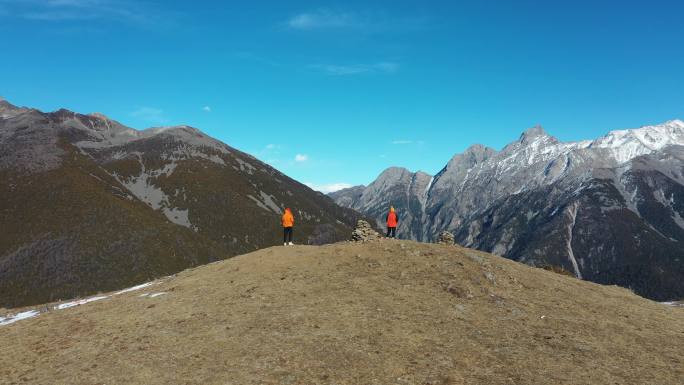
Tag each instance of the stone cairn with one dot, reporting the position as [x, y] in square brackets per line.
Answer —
[446, 238]
[363, 232]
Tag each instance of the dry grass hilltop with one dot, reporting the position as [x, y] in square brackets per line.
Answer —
[381, 312]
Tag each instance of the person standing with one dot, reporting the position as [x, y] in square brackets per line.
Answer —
[392, 222]
[287, 221]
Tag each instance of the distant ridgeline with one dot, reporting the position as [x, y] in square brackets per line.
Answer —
[609, 210]
[90, 205]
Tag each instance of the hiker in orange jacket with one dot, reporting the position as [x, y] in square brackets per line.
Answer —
[288, 222]
[392, 222]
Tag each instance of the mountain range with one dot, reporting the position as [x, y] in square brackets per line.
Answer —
[609, 210]
[88, 204]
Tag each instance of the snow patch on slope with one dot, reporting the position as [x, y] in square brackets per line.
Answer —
[267, 202]
[67, 305]
[142, 187]
[12, 318]
[134, 288]
[178, 216]
[245, 166]
[572, 213]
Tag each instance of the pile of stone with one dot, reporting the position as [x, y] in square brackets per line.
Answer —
[364, 232]
[445, 238]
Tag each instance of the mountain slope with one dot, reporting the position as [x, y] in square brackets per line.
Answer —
[375, 313]
[608, 210]
[88, 204]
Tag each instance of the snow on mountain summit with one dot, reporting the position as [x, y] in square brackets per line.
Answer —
[630, 143]
[618, 146]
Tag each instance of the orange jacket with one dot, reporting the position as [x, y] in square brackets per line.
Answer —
[288, 219]
[392, 219]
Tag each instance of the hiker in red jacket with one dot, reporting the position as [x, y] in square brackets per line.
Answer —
[392, 221]
[287, 221]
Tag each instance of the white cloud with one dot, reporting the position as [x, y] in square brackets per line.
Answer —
[358, 69]
[73, 3]
[206, 109]
[324, 18]
[150, 115]
[301, 158]
[328, 188]
[271, 146]
[68, 10]
[357, 21]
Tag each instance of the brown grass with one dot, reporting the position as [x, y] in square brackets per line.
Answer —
[390, 312]
[558, 270]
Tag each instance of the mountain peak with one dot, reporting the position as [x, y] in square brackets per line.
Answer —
[479, 150]
[8, 109]
[393, 173]
[99, 115]
[675, 122]
[5, 105]
[475, 154]
[533, 132]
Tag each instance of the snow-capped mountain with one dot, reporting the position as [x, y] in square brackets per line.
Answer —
[88, 204]
[628, 144]
[609, 210]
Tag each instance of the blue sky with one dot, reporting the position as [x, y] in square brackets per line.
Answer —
[334, 92]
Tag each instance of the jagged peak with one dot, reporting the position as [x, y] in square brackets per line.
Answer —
[171, 130]
[479, 150]
[675, 122]
[353, 189]
[4, 104]
[392, 173]
[475, 147]
[394, 170]
[533, 132]
[99, 115]
[472, 155]
[8, 109]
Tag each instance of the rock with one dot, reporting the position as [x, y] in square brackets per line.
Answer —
[445, 238]
[458, 291]
[476, 258]
[364, 232]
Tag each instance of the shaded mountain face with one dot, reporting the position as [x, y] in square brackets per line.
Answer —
[88, 204]
[607, 210]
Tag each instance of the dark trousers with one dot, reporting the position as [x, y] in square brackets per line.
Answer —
[287, 234]
[391, 231]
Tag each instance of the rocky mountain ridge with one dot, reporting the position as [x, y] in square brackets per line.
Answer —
[540, 200]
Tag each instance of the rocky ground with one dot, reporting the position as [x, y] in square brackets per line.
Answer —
[376, 312]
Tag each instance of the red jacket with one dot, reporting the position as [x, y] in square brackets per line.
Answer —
[392, 219]
[288, 219]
